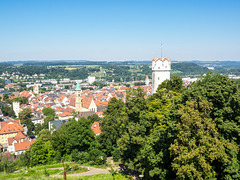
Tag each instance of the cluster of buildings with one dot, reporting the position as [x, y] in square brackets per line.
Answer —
[69, 103]
[17, 75]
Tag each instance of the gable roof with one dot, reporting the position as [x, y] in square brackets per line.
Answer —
[23, 145]
[86, 102]
[25, 93]
[64, 114]
[10, 126]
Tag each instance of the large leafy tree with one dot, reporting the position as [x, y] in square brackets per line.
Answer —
[154, 157]
[224, 95]
[174, 84]
[41, 152]
[198, 151]
[73, 135]
[135, 128]
[112, 124]
[25, 118]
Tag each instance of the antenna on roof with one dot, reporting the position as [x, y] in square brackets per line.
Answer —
[161, 49]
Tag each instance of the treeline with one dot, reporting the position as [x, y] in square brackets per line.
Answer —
[189, 68]
[50, 73]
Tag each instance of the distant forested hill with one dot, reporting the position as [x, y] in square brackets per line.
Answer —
[188, 68]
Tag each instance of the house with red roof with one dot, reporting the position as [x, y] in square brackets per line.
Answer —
[65, 115]
[96, 128]
[23, 146]
[9, 129]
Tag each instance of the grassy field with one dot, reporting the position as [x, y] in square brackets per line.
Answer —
[46, 171]
[119, 176]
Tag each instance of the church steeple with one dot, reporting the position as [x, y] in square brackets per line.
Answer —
[78, 102]
[78, 87]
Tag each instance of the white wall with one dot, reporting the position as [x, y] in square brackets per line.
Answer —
[160, 72]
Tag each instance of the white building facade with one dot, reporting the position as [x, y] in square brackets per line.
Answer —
[160, 71]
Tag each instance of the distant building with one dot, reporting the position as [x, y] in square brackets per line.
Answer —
[54, 125]
[91, 79]
[8, 81]
[36, 89]
[160, 71]
[16, 108]
[147, 80]
[78, 103]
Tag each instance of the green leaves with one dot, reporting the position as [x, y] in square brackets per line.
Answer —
[198, 151]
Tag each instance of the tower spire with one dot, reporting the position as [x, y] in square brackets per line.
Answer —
[161, 49]
[78, 87]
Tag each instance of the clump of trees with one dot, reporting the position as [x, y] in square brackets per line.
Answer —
[177, 133]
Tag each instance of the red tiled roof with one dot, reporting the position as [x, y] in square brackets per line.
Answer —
[72, 102]
[101, 103]
[96, 128]
[23, 145]
[10, 126]
[86, 102]
[64, 114]
[25, 93]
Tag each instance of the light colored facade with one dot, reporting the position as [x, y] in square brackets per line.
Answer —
[9, 129]
[36, 89]
[147, 80]
[16, 108]
[78, 103]
[91, 79]
[160, 72]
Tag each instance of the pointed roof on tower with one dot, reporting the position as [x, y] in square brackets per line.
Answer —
[78, 87]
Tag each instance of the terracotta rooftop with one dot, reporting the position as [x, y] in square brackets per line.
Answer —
[96, 128]
[64, 114]
[10, 126]
[23, 145]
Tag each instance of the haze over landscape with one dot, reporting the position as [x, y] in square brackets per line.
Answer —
[119, 30]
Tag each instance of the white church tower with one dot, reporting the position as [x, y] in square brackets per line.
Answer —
[160, 71]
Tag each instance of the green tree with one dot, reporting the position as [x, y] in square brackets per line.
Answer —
[41, 152]
[224, 95]
[135, 127]
[25, 118]
[198, 151]
[49, 112]
[174, 84]
[153, 159]
[115, 115]
[44, 135]
[73, 135]
[5, 97]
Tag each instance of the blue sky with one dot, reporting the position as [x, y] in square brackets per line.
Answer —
[119, 29]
